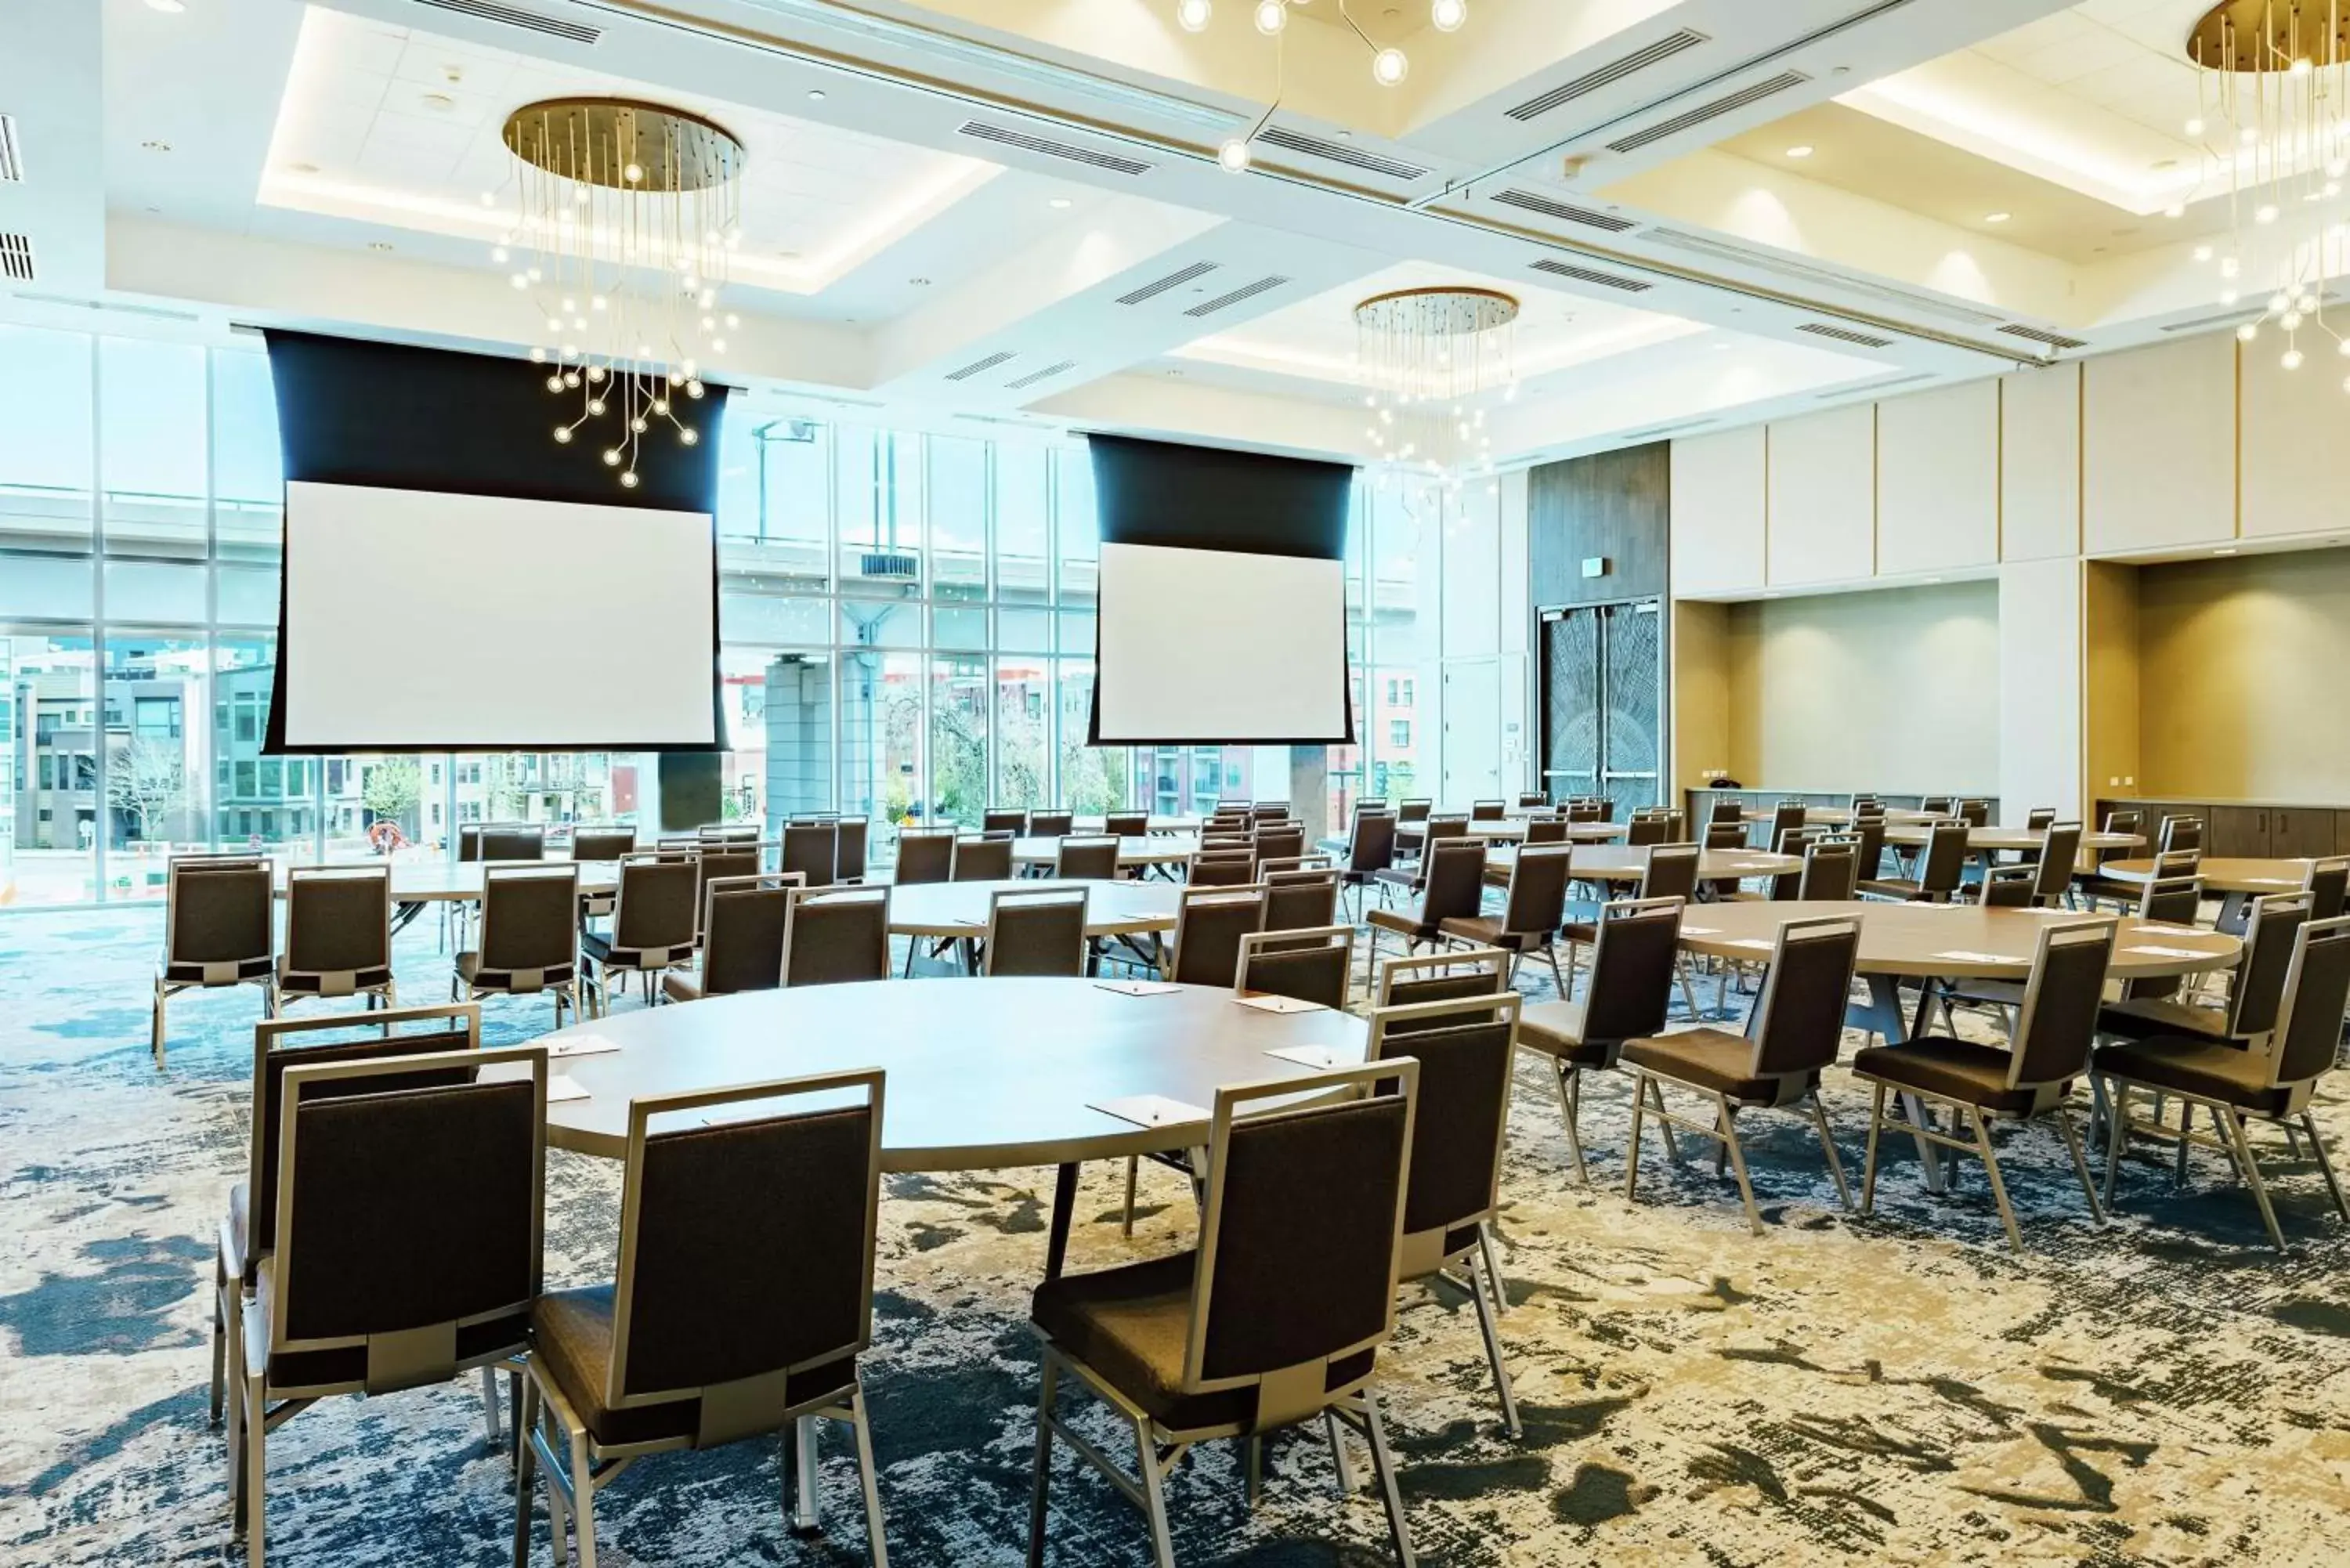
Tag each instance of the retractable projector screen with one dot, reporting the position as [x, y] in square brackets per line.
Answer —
[435, 620]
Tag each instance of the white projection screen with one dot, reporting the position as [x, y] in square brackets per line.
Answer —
[424, 620]
[1219, 647]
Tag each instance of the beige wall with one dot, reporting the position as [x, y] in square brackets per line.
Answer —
[1701, 680]
[2110, 598]
[2239, 672]
[1895, 690]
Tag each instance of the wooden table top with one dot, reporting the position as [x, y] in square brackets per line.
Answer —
[1626, 863]
[984, 1075]
[2222, 875]
[1190, 824]
[1158, 849]
[1513, 828]
[1984, 838]
[1839, 815]
[440, 881]
[1953, 940]
[959, 909]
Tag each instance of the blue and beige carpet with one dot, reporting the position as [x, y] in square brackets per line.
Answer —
[1901, 1390]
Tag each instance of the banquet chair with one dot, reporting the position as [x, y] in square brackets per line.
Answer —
[529, 937]
[1440, 977]
[1000, 821]
[1221, 869]
[1086, 859]
[1635, 954]
[925, 855]
[337, 935]
[1939, 870]
[218, 930]
[835, 935]
[730, 1317]
[1532, 909]
[1316, 965]
[1051, 823]
[1303, 900]
[848, 849]
[743, 921]
[599, 846]
[1371, 850]
[1546, 830]
[983, 859]
[1452, 889]
[1487, 810]
[810, 849]
[654, 918]
[1127, 825]
[1209, 925]
[1038, 933]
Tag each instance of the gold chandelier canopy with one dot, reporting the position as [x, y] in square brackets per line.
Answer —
[1429, 359]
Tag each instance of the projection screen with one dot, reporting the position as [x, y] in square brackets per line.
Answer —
[430, 620]
[1220, 647]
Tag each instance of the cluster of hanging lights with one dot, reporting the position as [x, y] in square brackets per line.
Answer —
[1429, 360]
[1389, 65]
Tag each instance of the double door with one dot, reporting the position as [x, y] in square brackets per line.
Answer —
[1603, 703]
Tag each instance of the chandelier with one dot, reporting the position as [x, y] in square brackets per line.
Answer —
[1430, 359]
[2275, 116]
[1389, 65]
[625, 214]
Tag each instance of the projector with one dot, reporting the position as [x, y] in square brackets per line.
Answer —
[895, 565]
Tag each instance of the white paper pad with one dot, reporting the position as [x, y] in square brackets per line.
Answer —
[562, 1087]
[1136, 988]
[1321, 1058]
[2160, 930]
[1700, 930]
[1760, 944]
[2172, 953]
[1963, 955]
[1152, 1110]
[1280, 1005]
[580, 1046]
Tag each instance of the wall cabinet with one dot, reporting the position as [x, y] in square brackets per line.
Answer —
[2234, 831]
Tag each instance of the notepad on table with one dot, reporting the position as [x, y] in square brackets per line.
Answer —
[562, 1087]
[1150, 1110]
[581, 1045]
[2171, 952]
[2161, 930]
[1700, 931]
[1138, 987]
[1967, 955]
[1270, 1003]
[1760, 944]
[1321, 1058]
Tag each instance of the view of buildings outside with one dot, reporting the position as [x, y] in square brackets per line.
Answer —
[906, 622]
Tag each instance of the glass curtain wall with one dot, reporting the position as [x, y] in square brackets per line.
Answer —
[907, 622]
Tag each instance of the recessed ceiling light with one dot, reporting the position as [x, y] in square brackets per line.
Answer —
[1800, 151]
[440, 101]
[156, 146]
[169, 7]
[302, 167]
[378, 245]
[2225, 550]
[815, 95]
[1059, 203]
[1997, 217]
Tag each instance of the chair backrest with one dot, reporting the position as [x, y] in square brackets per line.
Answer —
[514, 843]
[1727, 810]
[281, 1043]
[217, 914]
[1209, 925]
[2308, 1038]
[1645, 829]
[925, 855]
[833, 935]
[2039, 818]
[403, 1216]
[2181, 833]
[338, 918]
[2172, 901]
[994, 821]
[2131, 821]
[849, 850]
[469, 841]
[1126, 824]
[1279, 844]
[1314, 965]
[1299, 1233]
[1487, 810]
[983, 859]
[1532, 800]
[1944, 864]
[2326, 882]
[1371, 848]
[812, 849]
[1301, 900]
[2058, 1023]
[1041, 932]
[530, 925]
[656, 904]
[732, 832]
[1935, 805]
[1413, 809]
[1442, 825]
[1725, 836]
[1537, 896]
[2011, 886]
[725, 859]
[743, 921]
[2269, 936]
[1441, 977]
[1671, 872]
[1632, 968]
[2060, 846]
[1794, 843]
[1453, 886]
[1785, 817]
[1974, 813]
[1222, 868]
[1465, 1050]
[1546, 830]
[1265, 811]
[1797, 1024]
[1087, 858]
[1831, 870]
[601, 844]
[1868, 833]
[721, 1289]
[1588, 809]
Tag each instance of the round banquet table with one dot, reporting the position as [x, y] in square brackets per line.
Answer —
[1190, 824]
[1158, 849]
[2222, 875]
[1982, 840]
[985, 1074]
[959, 909]
[1628, 863]
[1514, 828]
[443, 881]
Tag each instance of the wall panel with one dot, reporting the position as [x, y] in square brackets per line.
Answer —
[2296, 427]
[1719, 508]
[1938, 479]
[1822, 497]
[2040, 463]
[2158, 446]
[2040, 653]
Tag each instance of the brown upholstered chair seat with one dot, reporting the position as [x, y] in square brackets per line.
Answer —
[1487, 931]
[345, 1366]
[603, 951]
[255, 968]
[1555, 1029]
[2207, 1069]
[1715, 1060]
[1957, 1070]
[681, 985]
[1128, 1324]
[1405, 922]
[470, 970]
[574, 1346]
[1892, 887]
[2149, 1017]
[1406, 877]
[299, 984]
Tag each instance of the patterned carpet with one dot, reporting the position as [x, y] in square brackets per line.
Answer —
[1901, 1390]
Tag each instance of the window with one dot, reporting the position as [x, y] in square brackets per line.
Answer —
[1399, 733]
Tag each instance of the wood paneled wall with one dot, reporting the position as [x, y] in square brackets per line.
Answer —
[1617, 504]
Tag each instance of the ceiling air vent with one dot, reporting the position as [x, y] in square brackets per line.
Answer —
[1565, 211]
[515, 16]
[1339, 152]
[15, 258]
[1005, 136]
[1653, 433]
[12, 160]
[888, 566]
[1246, 291]
[1047, 374]
[1614, 71]
[1844, 334]
[977, 366]
[1872, 387]
[2039, 335]
[1770, 87]
[1587, 275]
[1816, 276]
[1172, 280]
